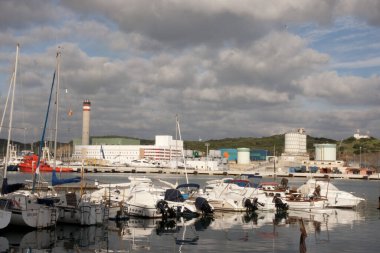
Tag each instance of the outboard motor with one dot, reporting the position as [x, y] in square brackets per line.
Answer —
[317, 191]
[284, 183]
[280, 206]
[163, 207]
[203, 205]
[251, 206]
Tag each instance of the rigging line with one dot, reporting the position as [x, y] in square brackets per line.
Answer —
[6, 102]
[18, 128]
[22, 107]
[43, 135]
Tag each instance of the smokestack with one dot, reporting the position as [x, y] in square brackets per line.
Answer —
[86, 122]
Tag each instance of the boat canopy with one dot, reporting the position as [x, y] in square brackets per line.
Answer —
[191, 185]
[57, 181]
[174, 195]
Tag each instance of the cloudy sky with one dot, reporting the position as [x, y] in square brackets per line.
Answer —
[242, 68]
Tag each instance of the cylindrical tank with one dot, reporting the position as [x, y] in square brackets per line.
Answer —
[86, 122]
[325, 152]
[243, 156]
[295, 142]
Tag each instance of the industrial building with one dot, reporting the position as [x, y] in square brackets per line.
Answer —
[164, 149]
[122, 150]
[231, 154]
[295, 147]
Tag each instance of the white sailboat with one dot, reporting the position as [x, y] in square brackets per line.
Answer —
[5, 215]
[26, 208]
[72, 208]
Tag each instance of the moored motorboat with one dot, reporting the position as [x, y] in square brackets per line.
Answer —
[335, 198]
[294, 199]
[233, 197]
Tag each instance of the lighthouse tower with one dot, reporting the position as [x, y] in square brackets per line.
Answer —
[86, 122]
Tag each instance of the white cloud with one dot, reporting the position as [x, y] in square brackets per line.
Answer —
[228, 68]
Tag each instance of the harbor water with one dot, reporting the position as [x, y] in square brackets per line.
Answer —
[338, 230]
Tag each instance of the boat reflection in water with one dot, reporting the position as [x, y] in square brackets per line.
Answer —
[60, 239]
[71, 237]
[268, 229]
[137, 231]
[4, 244]
[229, 220]
[22, 241]
[319, 221]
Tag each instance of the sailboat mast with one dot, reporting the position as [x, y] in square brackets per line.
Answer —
[37, 171]
[7, 101]
[11, 113]
[183, 155]
[56, 110]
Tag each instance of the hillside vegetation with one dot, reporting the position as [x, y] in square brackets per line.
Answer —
[272, 143]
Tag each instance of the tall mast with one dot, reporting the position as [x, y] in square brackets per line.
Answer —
[56, 109]
[182, 152]
[11, 113]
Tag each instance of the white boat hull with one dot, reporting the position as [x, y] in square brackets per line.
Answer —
[39, 217]
[307, 205]
[5, 218]
[85, 214]
[143, 211]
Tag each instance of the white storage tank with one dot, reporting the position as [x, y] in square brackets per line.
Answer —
[325, 152]
[295, 142]
[243, 156]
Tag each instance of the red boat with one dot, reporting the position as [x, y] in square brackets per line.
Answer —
[29, 164]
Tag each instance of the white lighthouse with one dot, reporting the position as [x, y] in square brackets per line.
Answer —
[86, 122]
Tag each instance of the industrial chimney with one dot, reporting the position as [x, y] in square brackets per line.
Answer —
[86, 122]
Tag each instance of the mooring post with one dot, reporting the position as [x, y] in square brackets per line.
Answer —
[379, 204]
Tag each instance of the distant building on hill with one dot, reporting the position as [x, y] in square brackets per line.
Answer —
[358, 136]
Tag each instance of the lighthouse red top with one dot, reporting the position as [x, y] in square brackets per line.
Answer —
[86, 105]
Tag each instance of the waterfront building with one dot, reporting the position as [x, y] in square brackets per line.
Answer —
[165, 148]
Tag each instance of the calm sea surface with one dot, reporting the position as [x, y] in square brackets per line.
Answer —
[337, 231]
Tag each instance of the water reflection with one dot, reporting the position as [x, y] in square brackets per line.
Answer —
[71, 237]
[22, 241]
[4, 244]
[59, 239]
[226, 220]
[326, 220]
[159, 235]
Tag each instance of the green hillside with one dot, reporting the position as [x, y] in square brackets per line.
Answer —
[271, 143]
